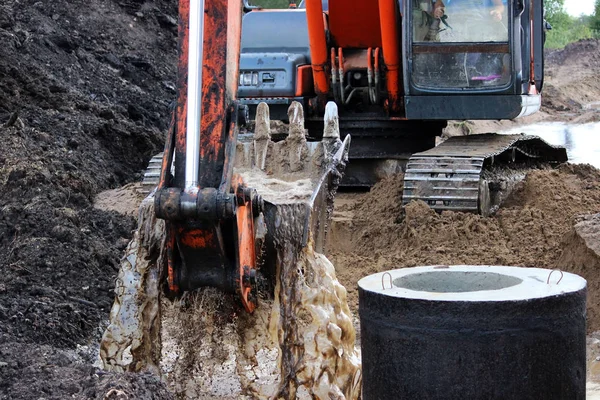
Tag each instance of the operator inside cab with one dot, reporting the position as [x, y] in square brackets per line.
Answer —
[460, 21]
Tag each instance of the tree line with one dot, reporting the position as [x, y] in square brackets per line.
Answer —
[568, 29]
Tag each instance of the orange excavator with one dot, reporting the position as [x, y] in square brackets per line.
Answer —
[385, 73]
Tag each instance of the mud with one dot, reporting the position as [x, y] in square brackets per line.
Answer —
[84, 101]
[85, 89]
[123, 200]
[299, 343]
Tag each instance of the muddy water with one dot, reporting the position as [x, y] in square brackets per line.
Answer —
[582, 141]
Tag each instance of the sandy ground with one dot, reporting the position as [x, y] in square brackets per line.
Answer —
[549, 221]
[371, 232]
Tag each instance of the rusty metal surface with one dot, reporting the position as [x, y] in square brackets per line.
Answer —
[449, 176]
[205, 243]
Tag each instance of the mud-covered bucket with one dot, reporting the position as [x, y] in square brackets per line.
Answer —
[473, 332]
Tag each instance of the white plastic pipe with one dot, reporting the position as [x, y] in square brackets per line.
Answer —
[194, 95]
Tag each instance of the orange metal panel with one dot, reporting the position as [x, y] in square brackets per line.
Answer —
[318, 48]
[197, 238]
[304, 81]
[170, 244]
[246, 247]
[390, 34]
[354, 23]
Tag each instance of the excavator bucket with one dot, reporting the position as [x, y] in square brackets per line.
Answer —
[295, 171]
[270, 353]
[287, 174]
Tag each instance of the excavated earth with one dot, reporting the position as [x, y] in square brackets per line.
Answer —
[538, 225]
[85, 91]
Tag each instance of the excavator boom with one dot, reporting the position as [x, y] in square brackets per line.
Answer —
[207, 210]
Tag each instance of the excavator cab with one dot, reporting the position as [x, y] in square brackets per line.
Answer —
[478, 59]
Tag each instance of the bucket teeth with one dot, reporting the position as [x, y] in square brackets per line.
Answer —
[296, 117]
[331, 130]
[262, 135]
[332, 122]
[263, 122]
[296, 137]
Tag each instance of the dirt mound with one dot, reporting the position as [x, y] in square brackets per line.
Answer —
[582, 256]
[85, 88]
[571, 78]
[532, 229]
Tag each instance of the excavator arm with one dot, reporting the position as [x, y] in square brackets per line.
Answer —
[215, 223]
[209, 212]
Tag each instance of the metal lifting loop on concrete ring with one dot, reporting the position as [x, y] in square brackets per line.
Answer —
[550, 274]
[383, 281]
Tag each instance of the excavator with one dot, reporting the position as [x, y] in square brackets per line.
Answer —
[370, 84]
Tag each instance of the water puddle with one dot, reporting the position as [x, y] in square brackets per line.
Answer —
[582, 141]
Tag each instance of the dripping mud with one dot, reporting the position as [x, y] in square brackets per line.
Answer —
[299, 343]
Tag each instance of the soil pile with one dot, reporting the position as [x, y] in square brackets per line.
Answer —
[534, 228]
[571, 80]
[85, 88]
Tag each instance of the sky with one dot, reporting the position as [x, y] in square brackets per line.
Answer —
[578, 7]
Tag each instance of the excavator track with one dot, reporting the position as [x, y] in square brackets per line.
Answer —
[152, 174]
[456, 174]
